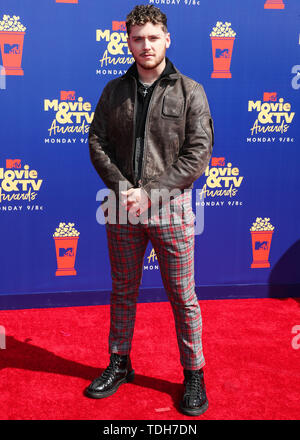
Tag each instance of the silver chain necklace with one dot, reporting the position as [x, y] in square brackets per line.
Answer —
[146, 87]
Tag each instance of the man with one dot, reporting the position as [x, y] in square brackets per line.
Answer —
[152, 134]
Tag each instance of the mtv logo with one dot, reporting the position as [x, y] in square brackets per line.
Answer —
[119, 26]
[67, 95]
[218, 161]
[13, 163]
[272, 96]
[13, 49]
[66, 252]
[261, 245]
[222, 53]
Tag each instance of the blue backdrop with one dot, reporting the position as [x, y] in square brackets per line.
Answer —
[57, 57]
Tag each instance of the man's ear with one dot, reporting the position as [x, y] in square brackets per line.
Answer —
[128, 44]
[168, 40]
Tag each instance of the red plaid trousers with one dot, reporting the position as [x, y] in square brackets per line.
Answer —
[173, 241]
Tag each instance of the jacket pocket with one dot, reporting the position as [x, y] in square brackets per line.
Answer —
[208, 126]
[172, 107]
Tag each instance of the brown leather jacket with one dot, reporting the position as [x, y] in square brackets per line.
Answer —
[178, 134]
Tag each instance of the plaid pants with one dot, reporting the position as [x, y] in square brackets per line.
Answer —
[173, 242]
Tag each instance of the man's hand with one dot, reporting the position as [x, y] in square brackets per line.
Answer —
[135, 199]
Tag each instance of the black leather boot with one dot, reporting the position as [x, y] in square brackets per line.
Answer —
[119, 371]
[194, 401]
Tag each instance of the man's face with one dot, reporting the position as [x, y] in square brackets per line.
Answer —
[148, 44]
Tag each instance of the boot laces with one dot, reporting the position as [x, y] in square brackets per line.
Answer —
[193, 385]
[114, 361]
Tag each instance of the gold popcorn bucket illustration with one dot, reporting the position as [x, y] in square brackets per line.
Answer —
[274, 4]
[261, 243]
[66, 248]
[222, 48]
[11, 44]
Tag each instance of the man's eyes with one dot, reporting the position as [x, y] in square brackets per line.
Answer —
[150, 38]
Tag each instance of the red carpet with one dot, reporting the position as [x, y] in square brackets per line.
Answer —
[252, 370]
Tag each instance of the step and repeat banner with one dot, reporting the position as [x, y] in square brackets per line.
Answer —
[57, 56]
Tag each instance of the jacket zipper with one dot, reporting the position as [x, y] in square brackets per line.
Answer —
[145, 138]
[134, 118]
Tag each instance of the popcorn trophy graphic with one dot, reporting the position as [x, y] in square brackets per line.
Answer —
[222, 39]
[11, 43]
[274, 4]
[261, 234]
[66, 240]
